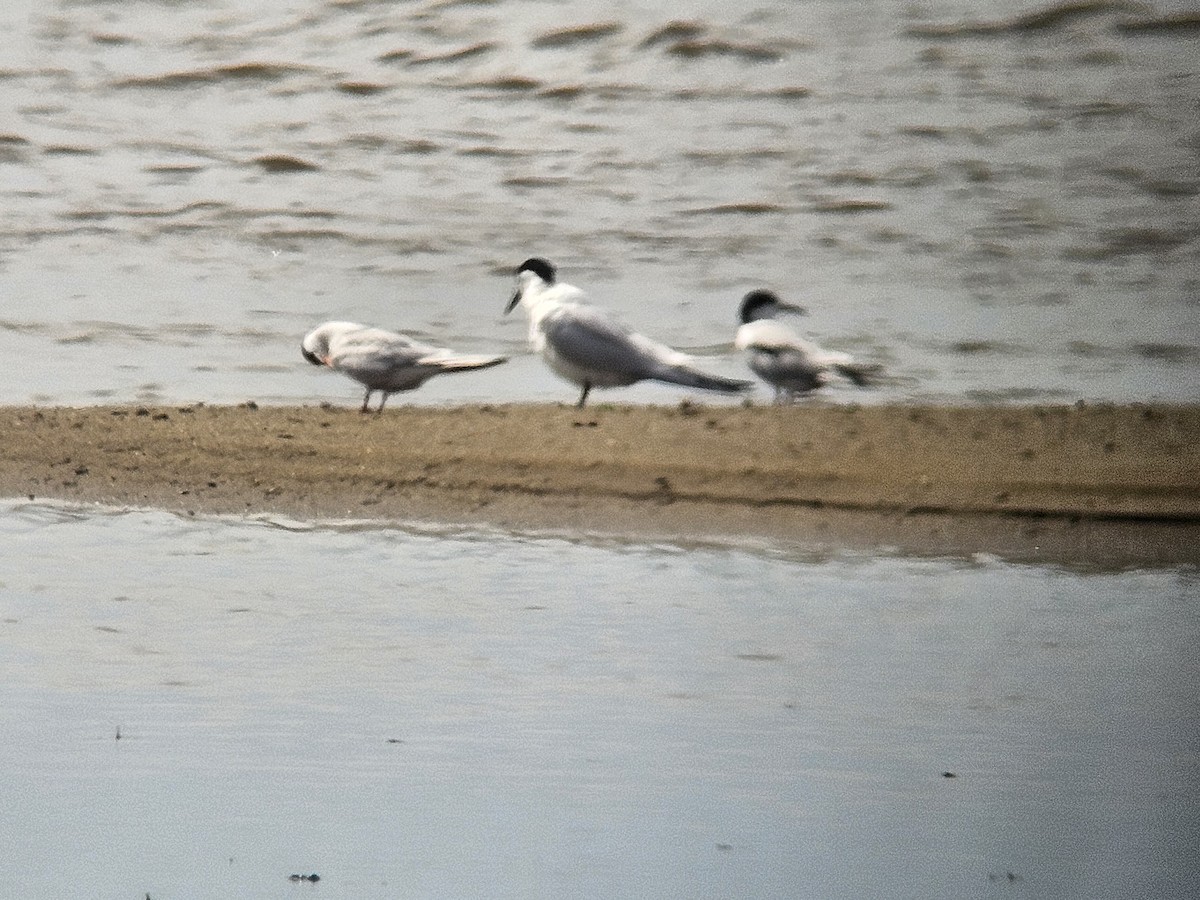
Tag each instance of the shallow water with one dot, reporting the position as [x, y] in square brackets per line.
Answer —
[994, 209]
[465, 712]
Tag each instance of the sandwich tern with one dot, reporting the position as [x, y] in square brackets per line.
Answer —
[383, 360]
[784, 360]
[584, 345]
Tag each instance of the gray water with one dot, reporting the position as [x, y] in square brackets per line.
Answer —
[469, 713]
[189, 187]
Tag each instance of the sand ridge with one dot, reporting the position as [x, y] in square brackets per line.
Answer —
[689, 467]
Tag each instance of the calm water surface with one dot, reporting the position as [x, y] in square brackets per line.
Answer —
[995, 208]
[471, 713]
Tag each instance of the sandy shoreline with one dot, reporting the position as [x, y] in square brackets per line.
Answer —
[1097, 480]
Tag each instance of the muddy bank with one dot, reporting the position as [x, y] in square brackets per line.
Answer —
[1089, 477]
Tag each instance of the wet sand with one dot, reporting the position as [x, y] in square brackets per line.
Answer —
[1105, 483]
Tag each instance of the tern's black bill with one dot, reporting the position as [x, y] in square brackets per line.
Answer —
[312, 357]
[512, 304]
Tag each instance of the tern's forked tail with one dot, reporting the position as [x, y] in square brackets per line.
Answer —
[467, 363]
[861, 374]
[692, 378]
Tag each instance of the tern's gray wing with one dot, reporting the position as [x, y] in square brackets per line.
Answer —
[373, 355]
[787, 369]
[588, 339]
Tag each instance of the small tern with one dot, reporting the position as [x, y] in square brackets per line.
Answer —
[383, 360]
[784, 360]
[584, 345]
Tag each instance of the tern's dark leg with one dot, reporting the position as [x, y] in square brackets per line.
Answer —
[385, 395]
[366, 400]
[587, 386]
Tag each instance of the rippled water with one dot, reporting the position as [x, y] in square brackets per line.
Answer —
[203, 707]
[994, 205]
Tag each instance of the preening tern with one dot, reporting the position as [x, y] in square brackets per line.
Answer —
[383, 360]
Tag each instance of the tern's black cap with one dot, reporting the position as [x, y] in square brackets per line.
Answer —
[755, 301]
[542, 268]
